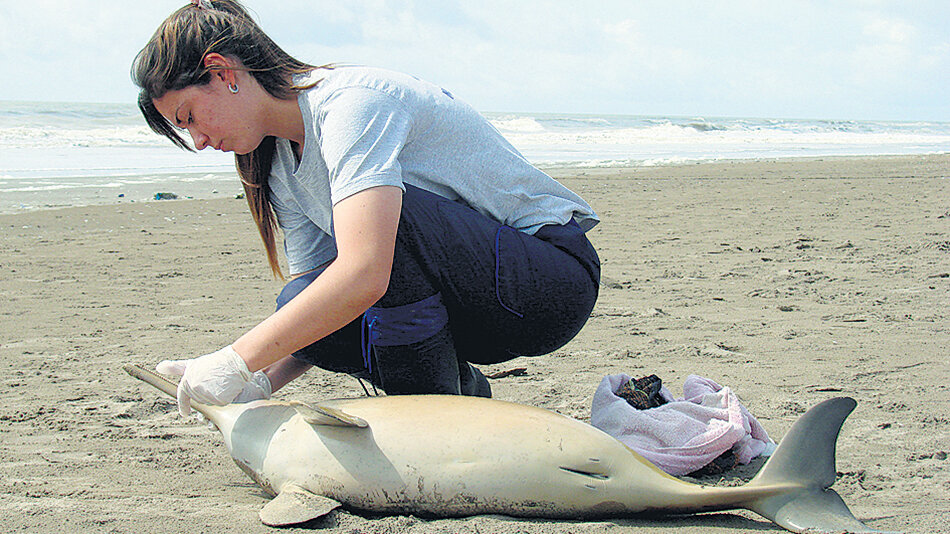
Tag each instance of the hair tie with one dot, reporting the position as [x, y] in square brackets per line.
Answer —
[203, 4]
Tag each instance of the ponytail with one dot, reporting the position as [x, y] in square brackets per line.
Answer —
[254, 170]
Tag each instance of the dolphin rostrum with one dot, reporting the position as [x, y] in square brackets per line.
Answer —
[445, 456]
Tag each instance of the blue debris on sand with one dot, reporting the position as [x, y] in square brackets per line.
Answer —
[165, 196]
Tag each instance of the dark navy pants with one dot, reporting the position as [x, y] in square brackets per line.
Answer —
[464, 289]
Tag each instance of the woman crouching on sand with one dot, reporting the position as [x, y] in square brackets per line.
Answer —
[419, 240]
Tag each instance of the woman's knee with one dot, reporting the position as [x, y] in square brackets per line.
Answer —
[541, 326]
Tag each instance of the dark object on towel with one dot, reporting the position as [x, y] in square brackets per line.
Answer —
[642, 394]
[722, 463]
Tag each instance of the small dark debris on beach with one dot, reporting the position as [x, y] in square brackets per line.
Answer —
[518, 371]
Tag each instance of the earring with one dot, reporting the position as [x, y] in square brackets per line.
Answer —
[233, 88]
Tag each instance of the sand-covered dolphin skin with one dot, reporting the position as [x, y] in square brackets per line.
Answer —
[450, 456]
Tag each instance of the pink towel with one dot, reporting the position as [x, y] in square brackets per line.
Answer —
[685, 434]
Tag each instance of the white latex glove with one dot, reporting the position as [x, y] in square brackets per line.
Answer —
[256, 389]
[216, 378]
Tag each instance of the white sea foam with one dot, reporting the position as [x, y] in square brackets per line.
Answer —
[691, 141]
[671, 141]
[60, 186]
[39, 137]
[517, 125]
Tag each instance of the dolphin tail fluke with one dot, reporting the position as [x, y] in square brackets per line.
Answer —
[811, 511]
[801, 471]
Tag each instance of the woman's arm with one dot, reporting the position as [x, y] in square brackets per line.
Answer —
[365, 231]
[283, 371]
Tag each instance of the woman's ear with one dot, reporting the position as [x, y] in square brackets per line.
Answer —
[219, 66]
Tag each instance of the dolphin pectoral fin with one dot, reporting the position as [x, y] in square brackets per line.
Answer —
[294, 505]
[322, 415]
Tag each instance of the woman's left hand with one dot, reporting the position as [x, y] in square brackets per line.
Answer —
[216, 378]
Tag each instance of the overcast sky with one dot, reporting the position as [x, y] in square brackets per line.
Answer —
[853, 59]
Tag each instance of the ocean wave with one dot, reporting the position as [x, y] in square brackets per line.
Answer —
[115, 136]
[52, 187]
[90, 143]
[713, 134]
[705, 127]
[58, 112]
[518, 125]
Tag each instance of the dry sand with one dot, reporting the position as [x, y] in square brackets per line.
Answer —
[791, 281]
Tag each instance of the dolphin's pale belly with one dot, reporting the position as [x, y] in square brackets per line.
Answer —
[450, 458]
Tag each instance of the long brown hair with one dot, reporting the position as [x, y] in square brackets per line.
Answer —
[174, 59]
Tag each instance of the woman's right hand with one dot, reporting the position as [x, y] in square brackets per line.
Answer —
[256, 387]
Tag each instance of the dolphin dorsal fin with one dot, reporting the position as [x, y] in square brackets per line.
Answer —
[295, 505]
[323, 415]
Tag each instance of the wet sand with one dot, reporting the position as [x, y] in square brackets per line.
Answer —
[791, 281]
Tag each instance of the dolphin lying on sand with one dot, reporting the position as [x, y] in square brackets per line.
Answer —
[445, 456]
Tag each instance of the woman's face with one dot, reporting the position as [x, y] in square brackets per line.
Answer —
[214, 116]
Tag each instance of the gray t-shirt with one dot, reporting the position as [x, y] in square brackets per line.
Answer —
[367, 127]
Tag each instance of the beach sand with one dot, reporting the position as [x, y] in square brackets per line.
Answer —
[790, 281]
